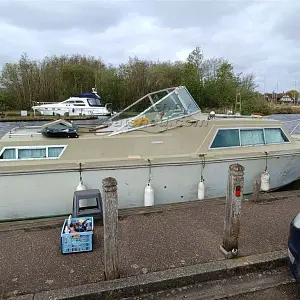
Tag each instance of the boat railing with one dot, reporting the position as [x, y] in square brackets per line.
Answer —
[236, 116]
[23, 134]
[41, 103]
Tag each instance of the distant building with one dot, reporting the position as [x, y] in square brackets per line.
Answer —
[283, 98]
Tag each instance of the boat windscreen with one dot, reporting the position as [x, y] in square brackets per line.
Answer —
[140, 105]
[95, 102]
[160, 108]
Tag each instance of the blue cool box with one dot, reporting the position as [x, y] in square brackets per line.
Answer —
[77, 241]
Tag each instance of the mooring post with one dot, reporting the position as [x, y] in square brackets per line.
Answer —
[110, 222]
[256, 190]
[235, 187]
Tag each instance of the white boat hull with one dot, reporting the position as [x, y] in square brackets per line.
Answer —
[75, 112]
[50, 193]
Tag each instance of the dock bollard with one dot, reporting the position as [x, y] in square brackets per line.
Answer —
[256, 190]
[235, 185]
[110, 224]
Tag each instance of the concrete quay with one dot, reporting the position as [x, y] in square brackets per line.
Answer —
[166, 246]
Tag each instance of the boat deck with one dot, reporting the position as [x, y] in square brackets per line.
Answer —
[31, 133]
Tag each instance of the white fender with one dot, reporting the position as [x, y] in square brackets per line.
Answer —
[82, 187]
[149, 195]
[265, 181]
[201, 190]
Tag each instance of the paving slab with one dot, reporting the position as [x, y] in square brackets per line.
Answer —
[31, 261]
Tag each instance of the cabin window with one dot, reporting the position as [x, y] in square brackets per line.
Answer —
[226, 138]
[252, 137]
[27, 153]
[8, 154]
[79, 103]
[95, 102]
[32, 153]
[55, 151]
[275, 136]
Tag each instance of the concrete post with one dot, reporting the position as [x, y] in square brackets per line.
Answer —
[235, 187]
[110, 222]
[256, 190]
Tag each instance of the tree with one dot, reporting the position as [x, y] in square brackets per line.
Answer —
[212, 82]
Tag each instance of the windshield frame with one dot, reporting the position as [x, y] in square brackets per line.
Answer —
[182, 112]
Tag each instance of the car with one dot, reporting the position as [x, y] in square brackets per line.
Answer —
[294, 248]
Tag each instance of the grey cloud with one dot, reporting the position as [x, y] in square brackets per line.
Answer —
[62, 15]
[189, 13]
[256, 36]
[288, 26]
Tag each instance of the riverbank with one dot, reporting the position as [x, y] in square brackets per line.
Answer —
[285, 109]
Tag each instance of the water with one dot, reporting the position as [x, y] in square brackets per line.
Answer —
[292, 121]
[6, 126]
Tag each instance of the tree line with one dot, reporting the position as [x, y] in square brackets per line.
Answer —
[212, 82]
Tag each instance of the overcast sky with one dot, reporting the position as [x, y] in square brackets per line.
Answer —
[260, 36]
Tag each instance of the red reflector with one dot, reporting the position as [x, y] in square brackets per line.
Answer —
[238, 191]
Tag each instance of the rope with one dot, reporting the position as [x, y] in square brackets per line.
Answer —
[202, 165]
[149, 171]
[266, 161]
[80, 177]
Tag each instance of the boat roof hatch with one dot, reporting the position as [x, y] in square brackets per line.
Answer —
[58, 122]
[157, 107]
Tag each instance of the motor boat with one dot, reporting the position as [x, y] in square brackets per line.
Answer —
[85, 104]
[162, 144]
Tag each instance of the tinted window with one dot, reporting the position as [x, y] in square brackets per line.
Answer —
[95, 102]
[252, 137]
[32, 153]
[275, 135]
[8, 154]
[55, 151]
[226, 138]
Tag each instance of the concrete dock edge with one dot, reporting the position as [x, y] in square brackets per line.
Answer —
[161, 280]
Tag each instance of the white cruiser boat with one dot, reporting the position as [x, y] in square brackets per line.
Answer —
[89, 104]
[170, 145]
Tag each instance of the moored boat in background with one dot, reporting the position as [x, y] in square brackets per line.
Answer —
[89, 104]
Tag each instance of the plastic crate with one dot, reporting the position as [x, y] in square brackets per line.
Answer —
[77, 241]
